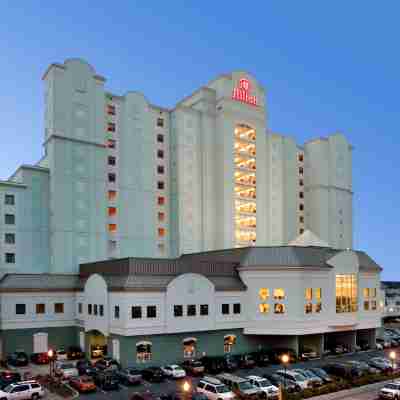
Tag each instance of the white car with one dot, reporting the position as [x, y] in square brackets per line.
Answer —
[214, 389]
[66, 370]
[265, 386]
[22, 390]
[174, 371]
[294, 377]
[390, 391]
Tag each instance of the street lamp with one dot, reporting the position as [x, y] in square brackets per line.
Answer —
[285, 360]
[186, 389]
[392, 356]
[50, 354]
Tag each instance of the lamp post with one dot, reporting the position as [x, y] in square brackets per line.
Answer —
[50, 354]
[285, 360]
[392, 356]
[186, 389]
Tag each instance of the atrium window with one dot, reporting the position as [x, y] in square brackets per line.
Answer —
[263, 293]
[308, 308]
[279, 294]
[263, 308]
[346, 293]
[143, 352]
[112, 195]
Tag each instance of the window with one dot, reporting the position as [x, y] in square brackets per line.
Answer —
[366, 305]
[10, 258]
[101, 310]
[110, 109]
[112, 211]
[204, 309]
[112, 195]
[111, 127]
[111, 143]
[236, 308]
[263, 293]
[160, 153]
[20, 309]
[301, 219]
[279, 294]
[160, 138]
[160, 200]
[9, 199]
[161, 216]
[178, 310]
[373, 305]
[264, 308]
[160, 185]
[301, 231]
[308, 294]
[9, 219]
[59, 308]
[191, 310]
[9, 238]
[346, 293]
[301, 170]
[301, 195]
[95, 309]
[160, 122]
[111, 160]
[318, 293]
[372, 292]
[143, 352]
[229, 342]
[136, 312]
[111, 177]
[225, 309]
[301, 182]
[318, 307]
[301, 157]
[80, 308]
[366, 292]
[40, 308]
[301, 207]
[112, 228]
[160, 169]
[116, 312]
[89, 309]
[161, 247]
[112, 245]
[161, 232]
[279, 308]
[151, 312]
[308, 308]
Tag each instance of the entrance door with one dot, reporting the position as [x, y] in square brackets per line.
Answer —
[115, 344]
[40, 342]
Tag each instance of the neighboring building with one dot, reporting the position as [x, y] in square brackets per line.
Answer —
[122, 177]
[391, 293]
[163, 310]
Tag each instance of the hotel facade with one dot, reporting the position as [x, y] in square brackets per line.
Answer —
[202, 197]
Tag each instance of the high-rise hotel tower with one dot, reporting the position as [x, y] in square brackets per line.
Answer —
[123, 177]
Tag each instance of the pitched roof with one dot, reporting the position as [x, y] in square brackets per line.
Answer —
[38, 282]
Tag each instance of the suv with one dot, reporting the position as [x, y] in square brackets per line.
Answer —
[214, 389]
[390, 391]
[22, 390]
[299, 380]
[240, 386]
[265, 386]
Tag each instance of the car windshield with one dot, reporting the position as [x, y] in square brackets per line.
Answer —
[299, 378]
[391, 386]
[222, 389]
[245, 385]
[8, 388]
[67, 366]
[320, 371]
[264, 383]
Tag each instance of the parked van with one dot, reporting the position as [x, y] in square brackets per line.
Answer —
[242, 387]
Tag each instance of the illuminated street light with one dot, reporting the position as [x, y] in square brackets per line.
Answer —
[285, 360]
[186, 386]
[392, 356]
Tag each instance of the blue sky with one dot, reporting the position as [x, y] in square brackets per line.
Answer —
[326, 66]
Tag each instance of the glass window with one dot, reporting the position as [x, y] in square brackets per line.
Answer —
[161, 200]
[143, 352]
[160, 138]
[151, 312]
[161, 232]
[111, 160]
[116, 312]
[111, 127]
[101, 310]
[111, 143]
[279, 308]
[366, 292]
[161, 216]
[229, 342]
[204, 309]
[9, 238]
[301, 207]
[301, 231]
[373, 305]
[301, 182]
[308, 294]
[80, 308]
[279, 294]
[225, 309]
[191, 310]
[301, 170]
[10, 258]
[160, 122]
[308, 308]
[110, 109]
[160, 185]
[366, 305]
[160, 169]
[160, 153]
[301, 157]
[346, 293]
[136, 312]
[95, 309]
[9, 199]
[9, 219]
[59, 308]
[236, 308]
[301, 219]
[40, 308]
[189, 348]
[317, 294]
[178, 310]
[111, 177]
[318, 307]
[301, 195]
[112, 195]
[89, 309]
[20, 309]
[372, 292]
[264, 308]
[263, 293]
[112, 228]
[112, 211]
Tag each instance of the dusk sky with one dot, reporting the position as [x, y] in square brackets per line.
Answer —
[326, 67]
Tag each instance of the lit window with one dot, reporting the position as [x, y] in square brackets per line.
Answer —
[111, 177]
[59, 308]
[308, 308]
[366, 292]
[263, 293]
[40, 308]
[189, 348]
[143, 352]
[9, 219]
[112, 227]
[301, 157]
[10, 258]
[264, 308]
[111, 160]
[318, 307]
[279, 308]
[160, 138]
[236, 308]
[279, 294]
[225, 309]
[20, 309]
[160, 122]
[204, 309]
[9, 199]
[136, 312]
[191, 310]
[116, 312]
[318, 293]
[346, 293]
[301, 170]
[373, 305]
[112, 211]
[111, 143]
[366, 305]
[160, 201]
[111, 127]
[178, 310]
[112, 195]
[301, 219]
[160, 185]
[373, 292]
[229, 342]
[160, 153]
[301, 207]
[161, 216]
[301, 195]
[110, 109]
[308, 294]
[161, 232]
[9, 238]
[160, 169]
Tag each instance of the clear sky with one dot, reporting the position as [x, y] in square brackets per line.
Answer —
[326, 66]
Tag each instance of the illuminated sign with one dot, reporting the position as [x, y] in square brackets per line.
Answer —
[242, 93]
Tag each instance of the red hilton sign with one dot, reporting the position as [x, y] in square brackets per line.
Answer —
[242, 93]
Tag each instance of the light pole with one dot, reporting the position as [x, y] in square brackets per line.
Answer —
[50, 354]
[285, 360]
[186, 389]
[392, 356]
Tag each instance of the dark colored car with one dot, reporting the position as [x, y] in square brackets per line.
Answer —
[7, 377]
[130, 376]
[40, 358]
[380, 364]
[193, 367]
[275, 355]
[18, 359]
[322, 374]
[245, 361]
[107, 363]
[199, 396]
[85, 367]
[213, 365]
[279, 380]
[230, 362]
[261, 358]
[343, 370]
[145, 396]
[153, 374]
[75, 353]
[106, 381]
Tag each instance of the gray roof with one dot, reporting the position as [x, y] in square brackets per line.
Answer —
[39, 282]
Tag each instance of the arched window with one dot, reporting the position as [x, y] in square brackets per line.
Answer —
[189, 347]
[143, 352]
[229, 342]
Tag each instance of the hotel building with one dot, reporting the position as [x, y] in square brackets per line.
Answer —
[134, 204]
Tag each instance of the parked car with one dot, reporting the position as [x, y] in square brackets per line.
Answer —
[153, 374]
[22, 391]
[130, 376]
[275, 355]
[214, 389]
[145, 396]
[213, 365]
[7, 377]
[75, 353]
[106, 380]
[107, 363]
[364, 367]
[310, 377]
[342, 370]
[307, 353]
[265, 386]
[193, 367]
[242, 387]
[61, 355]
[40, 358]
[230, 363]
[298, 379]
[173, 371]
[83, 384]
[66, 369]
[261, 358]
[322, 374]
[390, 391]
[278, 380]
[18, 359]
